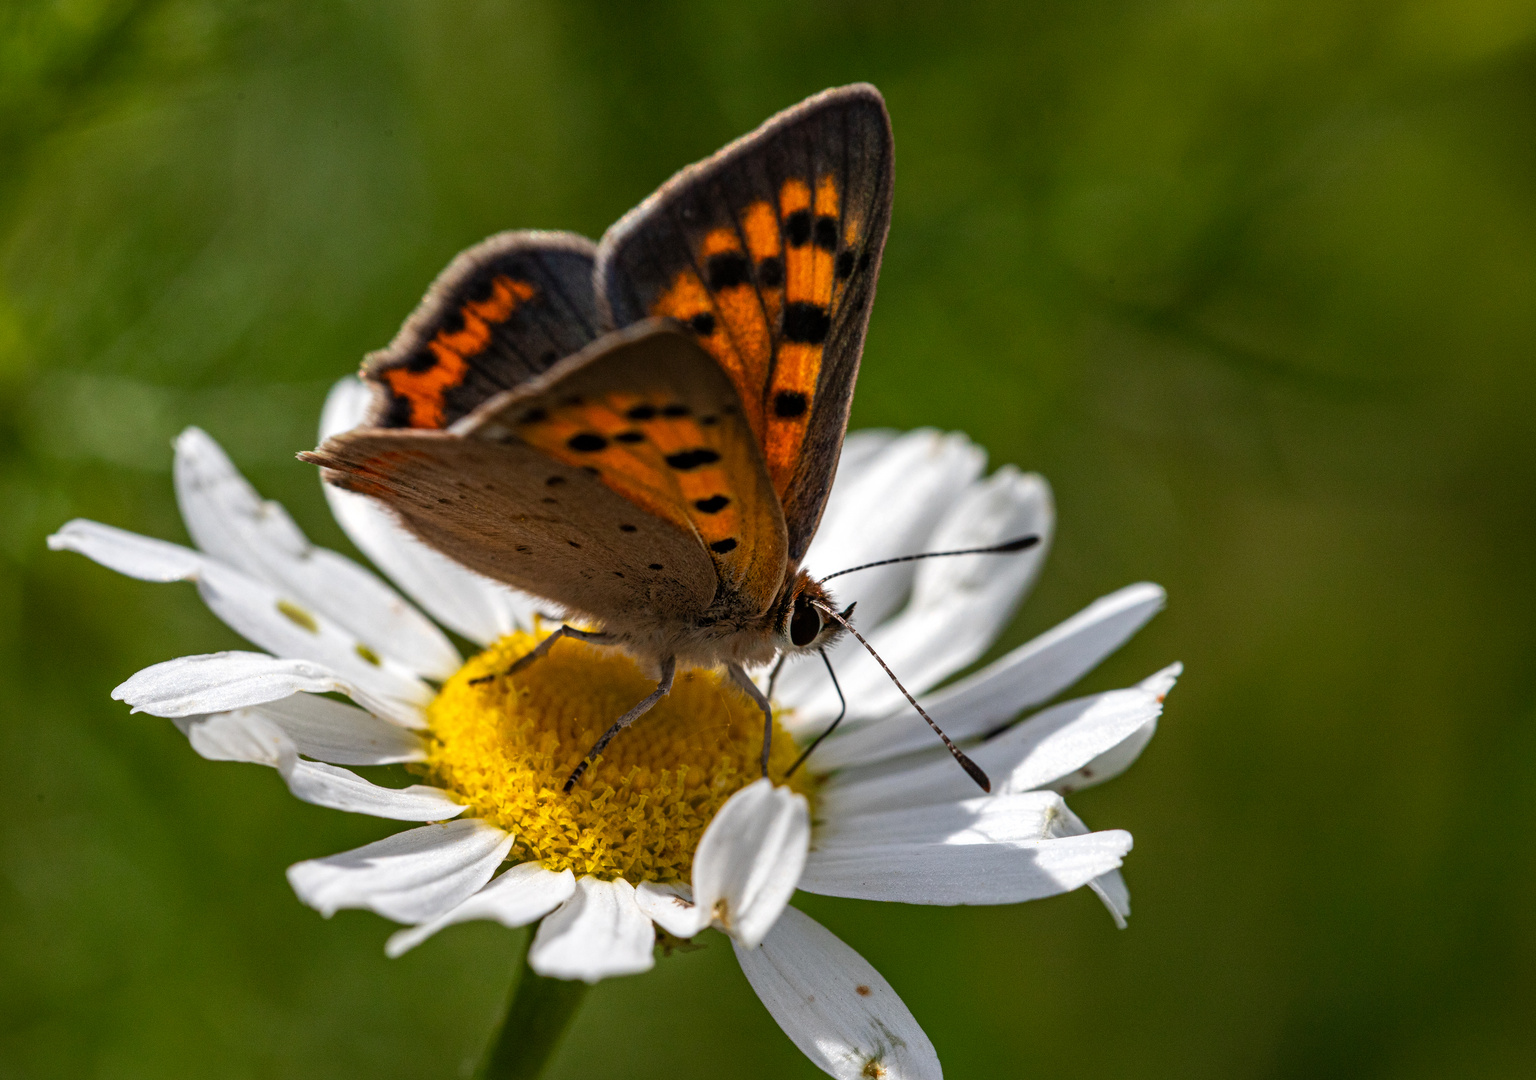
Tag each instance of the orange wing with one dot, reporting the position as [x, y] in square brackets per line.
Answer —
[502, 312]
[622, 481]
[768, 252]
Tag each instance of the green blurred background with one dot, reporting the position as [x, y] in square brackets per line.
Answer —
[1253, 284]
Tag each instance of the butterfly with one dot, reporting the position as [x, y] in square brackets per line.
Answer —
[644, 430]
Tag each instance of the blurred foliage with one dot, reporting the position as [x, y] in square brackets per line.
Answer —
[1254, 285]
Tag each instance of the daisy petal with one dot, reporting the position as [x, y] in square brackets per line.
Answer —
[246, 735]
[524, 893]
[907, 486]
[1033, 673]
[958, 605]
[671, 907]
[990, 819]
[411, 877]
[219, 682]
[965, 873]
[750, 857]
[1110, 888]
[141, 557]
[233, 524]
[600, 931]
[1048, 746]
[834, 1006]
[249, 607]
[342, 789]
[341, 734]
[477, 607]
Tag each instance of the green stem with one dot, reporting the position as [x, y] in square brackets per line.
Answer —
[537, 1016]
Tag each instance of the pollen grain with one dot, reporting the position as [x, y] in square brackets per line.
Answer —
[505, 747]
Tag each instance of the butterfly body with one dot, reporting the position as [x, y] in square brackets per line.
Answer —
[644, 431]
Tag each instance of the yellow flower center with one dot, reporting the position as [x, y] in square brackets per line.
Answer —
[505, 747]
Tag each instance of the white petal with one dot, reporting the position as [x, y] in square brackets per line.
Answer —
[965, 873]
[1110, 888]
[128, 553]
[233, 524]
[750, 856]
[1114, 761]
[834, 1006]
[600, 931]
[462, 600]
[410, 877]
[891, 508]
[522, 894]
[958, 605]
[219, 682]
[342, 789]
[251, 608]
[247, 735]
[990, 819]
[671, 907]
[237, 736]
[859, 449]
[1033, 673]
[329, 730]
[1043, 749]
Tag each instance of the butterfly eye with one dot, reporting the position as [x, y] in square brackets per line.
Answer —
[805, 624]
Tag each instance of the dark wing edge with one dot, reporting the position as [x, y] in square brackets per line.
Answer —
[801, 134]
[500, 313]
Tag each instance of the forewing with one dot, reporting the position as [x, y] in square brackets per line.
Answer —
[651, 415]
[502, 312]
[768, 252]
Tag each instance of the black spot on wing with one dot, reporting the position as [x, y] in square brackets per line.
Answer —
[702, 324]
[629, 437]
[798, 228]
[642, 412]
[826, 233]
[712, 505]
[587, 442]
[684, 460]
[728, 270]
[788, 403]
[723, 546]
[770, 272]
[806, 323]
[844, 266]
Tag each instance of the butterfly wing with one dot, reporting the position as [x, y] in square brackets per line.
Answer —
[502, 312]
[623, 480]
[769, 252]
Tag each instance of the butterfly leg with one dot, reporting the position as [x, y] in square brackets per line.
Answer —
[668, 669]
[589, 636]
[744, 681]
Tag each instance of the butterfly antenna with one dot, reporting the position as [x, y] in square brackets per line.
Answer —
[1008, 547]
[799, 761]
[972, 769]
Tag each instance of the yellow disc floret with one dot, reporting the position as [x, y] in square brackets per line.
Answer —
[505, 746]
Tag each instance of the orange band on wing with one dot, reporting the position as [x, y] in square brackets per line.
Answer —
[451, 350]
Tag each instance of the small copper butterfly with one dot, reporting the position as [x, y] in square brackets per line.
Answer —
[644, 430]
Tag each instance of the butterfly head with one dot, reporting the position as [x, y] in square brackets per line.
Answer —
[800, 620]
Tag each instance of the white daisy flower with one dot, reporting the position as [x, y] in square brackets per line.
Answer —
[670, 828]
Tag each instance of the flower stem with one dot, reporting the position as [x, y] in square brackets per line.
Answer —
[538, 1014]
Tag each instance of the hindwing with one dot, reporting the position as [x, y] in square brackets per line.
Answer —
[625, 479]
[502, 312]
